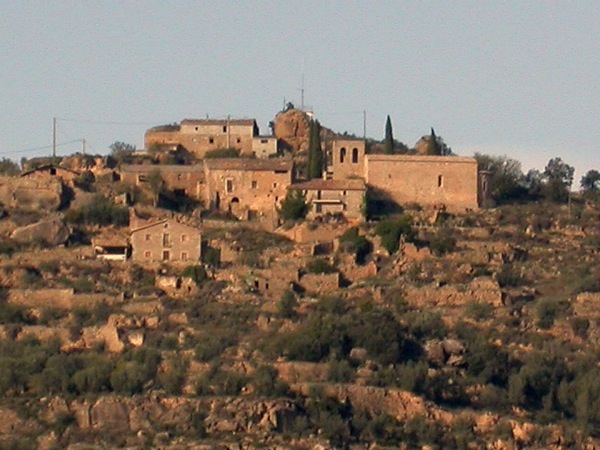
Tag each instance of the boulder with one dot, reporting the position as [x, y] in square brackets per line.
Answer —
[52, 232]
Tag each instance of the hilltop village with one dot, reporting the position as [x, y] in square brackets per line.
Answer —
[306, 289]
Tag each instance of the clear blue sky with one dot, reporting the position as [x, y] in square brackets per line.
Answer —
[519, 78]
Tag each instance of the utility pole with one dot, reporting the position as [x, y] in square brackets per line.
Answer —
[364, 124]
[54, 137]
[302, 91]
[228, 131]
[83, 147]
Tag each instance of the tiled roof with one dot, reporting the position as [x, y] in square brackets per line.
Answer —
[421, 158]
[48, 167]
[172, 168]
[319, 184]
[249, 164]
[171, 223]
[249, 122]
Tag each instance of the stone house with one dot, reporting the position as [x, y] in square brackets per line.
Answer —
[246, 187]
[264, 146]
[167, 241]
[48, 171]
[179, 179]
[333, 197]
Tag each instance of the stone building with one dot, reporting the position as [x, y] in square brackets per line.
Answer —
[179, 179]
[49, 171]
[199, 136]
[430, 181]
[333, 197]
[246, 187]
[347, 159]
[166, 240]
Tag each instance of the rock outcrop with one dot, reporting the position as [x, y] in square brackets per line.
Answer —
[52, 232]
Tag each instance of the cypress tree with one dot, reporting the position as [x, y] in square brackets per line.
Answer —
[433, 144]
[315, 154]
[389, 137]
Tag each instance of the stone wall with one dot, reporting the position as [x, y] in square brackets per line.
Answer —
[320, 283]
[57, 298]
[430, 181]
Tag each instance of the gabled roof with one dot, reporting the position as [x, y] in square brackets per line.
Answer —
[249, 164]
[170, 168]
[50, 166]
[162, 222]
[247, 122]
[318, 184]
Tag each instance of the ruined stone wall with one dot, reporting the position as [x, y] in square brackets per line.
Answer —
[57, 298]
[31, 194]
[240, 190]
[426, 180]
[187, 179]
[320, 282]
[162, 138]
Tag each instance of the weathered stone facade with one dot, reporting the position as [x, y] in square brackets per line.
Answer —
[180, 179]
[203, 135]
[247, 187]
[431, 181]
[166, 240]
[333, 197]
[347, 158]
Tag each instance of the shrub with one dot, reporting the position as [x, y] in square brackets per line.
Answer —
[340, 372]
[547, 310]
[443, 242]
[222, 153]
[287, 305]
[196, 273]
[391, 229]
[293, 206]
[320, 265]
[99, 212]
[507, 277]
[360, 246]
[479, 310]
[266, 383]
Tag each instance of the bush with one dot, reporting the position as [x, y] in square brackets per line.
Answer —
[196, 273]
[287, 305]
[479, 310]
[443, 242]
[320, 265]
[507, 277]
[293, 206]
[360, 246]
[222, 153]
[547, 311]
[390, 231]
[99, 212]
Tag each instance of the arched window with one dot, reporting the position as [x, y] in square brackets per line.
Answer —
[342, 155]
[355, 155]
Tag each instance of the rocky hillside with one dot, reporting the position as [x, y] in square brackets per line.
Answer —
[420, 331]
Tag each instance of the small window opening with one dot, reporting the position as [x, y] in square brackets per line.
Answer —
[355, 155]
[440, 181]
[342, 155]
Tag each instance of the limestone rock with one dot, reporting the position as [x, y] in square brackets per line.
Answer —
[52, 231]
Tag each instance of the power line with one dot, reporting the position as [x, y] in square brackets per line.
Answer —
[33, 149]
[103, 122]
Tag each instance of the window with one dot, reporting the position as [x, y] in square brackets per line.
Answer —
[229, 185]
[166, 255]
[224, 128]
[254, 184]
[440, 181]
[274, 185]
[355, 155]
[184, 238]
[318, 194]
[142, 178]
[343, 192]
[184, 256]
[147, 237]
[264, 141]
[319, 208]
[211, 140]
[52, 171]
[196, 128]
[238, 140]
[147, 254]
[166, 239]
[342, 155]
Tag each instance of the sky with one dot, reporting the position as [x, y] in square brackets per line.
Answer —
[514, 78]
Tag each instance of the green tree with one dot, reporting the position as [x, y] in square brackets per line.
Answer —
[433, 147]
[121, 151]
[506, 179]
[9, 167]
[391, 229]
[156, 184]
[389, 137]
[558, 178]
[293, 206]
[591, 181]
[315, 153]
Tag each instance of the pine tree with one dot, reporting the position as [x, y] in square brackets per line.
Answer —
[389, 137]
[434, 148]
[315, 153]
